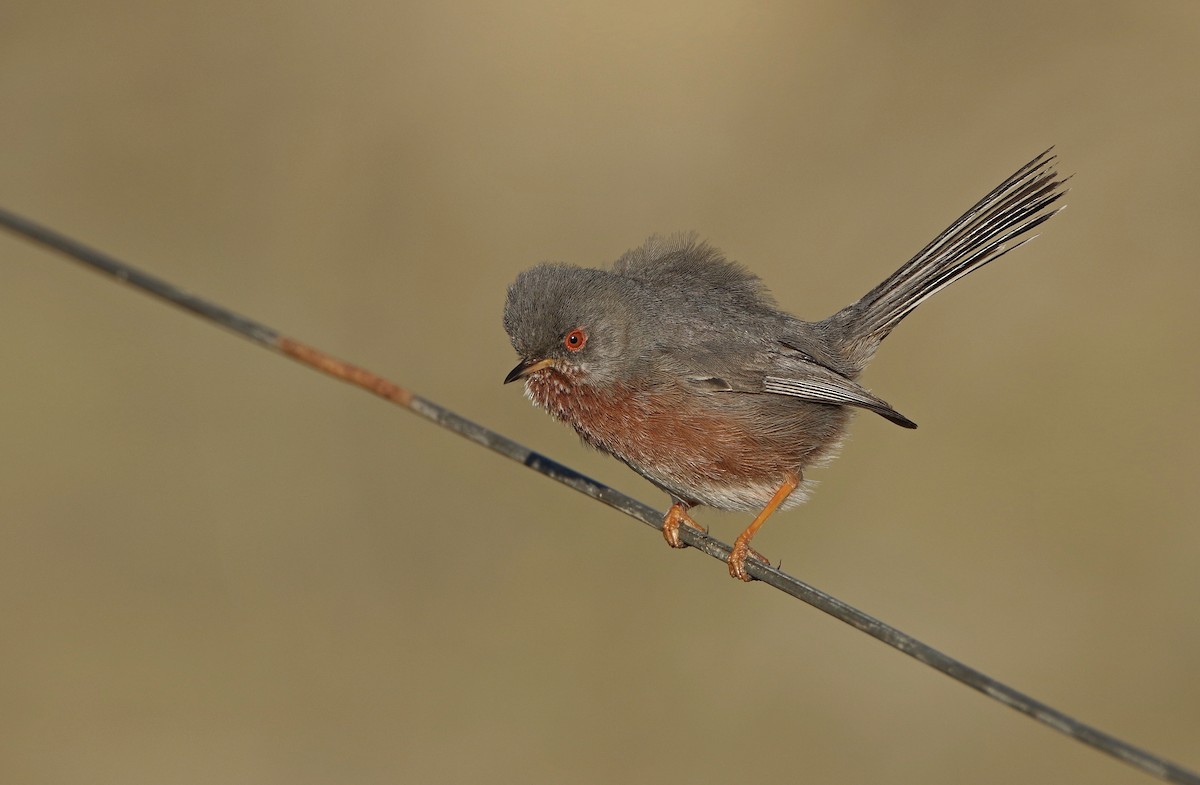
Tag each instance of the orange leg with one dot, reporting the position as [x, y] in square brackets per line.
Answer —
[741, 546]
[677, 516]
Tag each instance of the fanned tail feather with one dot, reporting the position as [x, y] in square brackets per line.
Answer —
[981, 235]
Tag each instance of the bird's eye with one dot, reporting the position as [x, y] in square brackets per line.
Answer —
[575, 339]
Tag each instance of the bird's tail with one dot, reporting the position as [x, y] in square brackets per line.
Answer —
[993, 227]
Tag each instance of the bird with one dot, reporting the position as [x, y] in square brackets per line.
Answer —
[679, 363]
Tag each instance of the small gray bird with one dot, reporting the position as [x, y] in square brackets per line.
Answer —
[678, 362]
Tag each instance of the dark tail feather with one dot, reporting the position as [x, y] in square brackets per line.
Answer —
[980, 235]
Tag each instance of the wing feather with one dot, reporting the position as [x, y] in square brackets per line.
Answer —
[821, 385]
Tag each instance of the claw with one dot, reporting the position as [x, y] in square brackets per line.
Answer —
[677, 516]
[737, 559]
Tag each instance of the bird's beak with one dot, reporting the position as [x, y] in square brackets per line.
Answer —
[526, 367]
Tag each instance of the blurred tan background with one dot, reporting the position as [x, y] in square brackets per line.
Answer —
[217, 566]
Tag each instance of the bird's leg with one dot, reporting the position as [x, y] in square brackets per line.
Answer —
[677, 516]
[741, 546]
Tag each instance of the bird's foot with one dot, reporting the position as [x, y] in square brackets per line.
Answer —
[677, 516]
[741, 546]
[737, 559]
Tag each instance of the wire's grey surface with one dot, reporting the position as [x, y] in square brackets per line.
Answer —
[1135, 756]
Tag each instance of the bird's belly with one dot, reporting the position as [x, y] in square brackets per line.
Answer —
[729, 451]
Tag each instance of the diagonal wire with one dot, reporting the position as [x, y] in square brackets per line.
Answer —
[314, 358]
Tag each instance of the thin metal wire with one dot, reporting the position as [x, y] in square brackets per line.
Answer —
[271, 339]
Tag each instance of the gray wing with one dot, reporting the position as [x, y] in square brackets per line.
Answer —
[808, 381]
[730, 308]
[818, 383]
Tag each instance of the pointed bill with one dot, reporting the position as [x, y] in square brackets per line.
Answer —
[526, 367]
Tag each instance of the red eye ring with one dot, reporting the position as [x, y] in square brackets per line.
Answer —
[575, 340]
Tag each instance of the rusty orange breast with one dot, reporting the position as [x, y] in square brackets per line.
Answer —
[685, 440]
